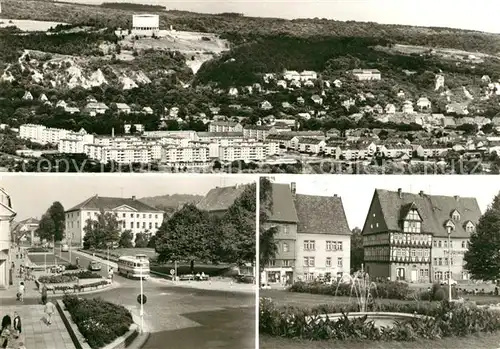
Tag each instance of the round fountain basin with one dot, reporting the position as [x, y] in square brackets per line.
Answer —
[380, 319]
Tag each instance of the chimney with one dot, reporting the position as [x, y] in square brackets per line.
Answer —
[400, 193]
[293, 188]
[133, 197]
[421, 193]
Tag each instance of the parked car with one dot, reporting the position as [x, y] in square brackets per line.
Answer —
[65, 248]
[95, 266]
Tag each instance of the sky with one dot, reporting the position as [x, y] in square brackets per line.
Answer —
[466, 14]
[357, 191]
[32, 195]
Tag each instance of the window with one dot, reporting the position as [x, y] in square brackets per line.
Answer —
[413, 252]
[150, 225]
[455, 215]
[272, 263]
[413, 215]
[469, 228]
[285, 247]
[329, 245]
[435, 243]
[411, 227]
[445, 244]
[440, 261]
[328, 261]
[339, 262]
[309, 245]
[156, 216]
[446, 275]
[438, 275]
[339, 245]
[286, 263]
[308, 261]
[463, 244]
[131, 225]
[439, 243]
[138, 224]
[284, 229]
[446, 261]
[123, 215]
[143, 225]
[131, 215]
[435, 261]
[156, 225]
[150, 215]
[88, 214]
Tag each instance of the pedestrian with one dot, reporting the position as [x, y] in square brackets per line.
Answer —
[5, 336]
[110, 274]
[44, 294]
[17, 325]
[21, 291]
[77, 261]
[49, 310]
[13, 265]
[6, 322]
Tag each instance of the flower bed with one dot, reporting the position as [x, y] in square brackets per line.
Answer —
[80, 288]
[440, 320]
[57, 279]
[98, 321]
[84, 274]
[38, 250]
[387, 290]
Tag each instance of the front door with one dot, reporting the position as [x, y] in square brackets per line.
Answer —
[414, 275]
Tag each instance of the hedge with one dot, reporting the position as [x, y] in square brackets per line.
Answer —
[387, 290]
[84, 274]
[443, 319]
[37, 249]
[68, 277]
[99, 322]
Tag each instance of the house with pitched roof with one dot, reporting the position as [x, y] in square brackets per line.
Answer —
[405, 236]
[132, 214]
[312, 236]
[219, 199]
[27, 227]
[7, 214]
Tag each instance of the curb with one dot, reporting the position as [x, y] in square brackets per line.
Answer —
[140, 341]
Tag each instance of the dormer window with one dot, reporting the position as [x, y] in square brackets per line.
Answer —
[455, 215]
[449, 225]
[412, 222]
[470, 227]
[413, 215]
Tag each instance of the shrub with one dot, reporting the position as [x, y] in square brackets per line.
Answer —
[71, 267]
[84, 274]
[99, 322]
[442, 320]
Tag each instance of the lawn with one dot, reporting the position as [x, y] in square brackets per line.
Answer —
[485, 341]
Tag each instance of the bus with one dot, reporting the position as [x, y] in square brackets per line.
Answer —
[134, 267]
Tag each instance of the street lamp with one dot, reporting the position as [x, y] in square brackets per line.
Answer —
[142, 301]
[448, 228]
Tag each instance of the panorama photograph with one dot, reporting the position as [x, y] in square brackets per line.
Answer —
[345, 87]
[137, 261]
[363, 262]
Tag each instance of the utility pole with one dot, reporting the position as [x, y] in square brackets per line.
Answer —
[142, 302]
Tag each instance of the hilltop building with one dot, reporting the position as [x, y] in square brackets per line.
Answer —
[131, 213]
[145, 25]
[313, 237]
[405, 236]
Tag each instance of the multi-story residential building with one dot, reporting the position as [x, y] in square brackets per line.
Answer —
[313, 236]
[225, 126]
[190, 157]
[311, 145]
[131, 213]
[258, 132]
[41, 134]
[396, 151]
[7, 214]
[404, 235]
[21, 229]
[367, 74]
[74, 142]
[284, 141]
[431, 150]
[284, 219]
[244, 151]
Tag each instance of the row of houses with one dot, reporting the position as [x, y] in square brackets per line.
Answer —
[405, 236]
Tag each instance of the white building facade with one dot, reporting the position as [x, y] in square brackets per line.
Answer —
[7, 214]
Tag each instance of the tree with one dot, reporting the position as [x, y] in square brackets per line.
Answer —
[102, 231]
[482, 259]
[152, 242]
[185, 237]
[126, 238]
[234, 239]
[52, 223]
[141, 240]
[357, 252]
[267, 244]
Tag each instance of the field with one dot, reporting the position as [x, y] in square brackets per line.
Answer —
[28, 25]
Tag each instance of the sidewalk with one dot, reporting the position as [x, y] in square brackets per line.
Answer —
[30, 288]
[36, 334]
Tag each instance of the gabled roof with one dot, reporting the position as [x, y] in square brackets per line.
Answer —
[109, 203]
[321, 215]
[433, 209]
[283, 208]
[220, 199]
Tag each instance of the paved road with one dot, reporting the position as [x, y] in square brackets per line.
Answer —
[183, 318]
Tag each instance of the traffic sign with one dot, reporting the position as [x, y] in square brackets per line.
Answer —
[172, 271]
[142, 299]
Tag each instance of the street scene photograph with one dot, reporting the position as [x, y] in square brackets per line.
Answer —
[128, 261]
[355, 262]
[241, 86]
